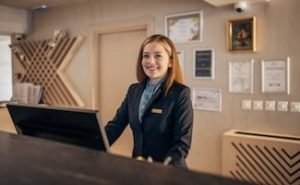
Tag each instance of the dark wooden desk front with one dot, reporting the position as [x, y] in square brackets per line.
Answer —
[26, 160]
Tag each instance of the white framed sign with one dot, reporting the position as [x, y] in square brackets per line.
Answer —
[184, 27]
[241, 77]
[204, 63]
[207, 99]
[276, 76]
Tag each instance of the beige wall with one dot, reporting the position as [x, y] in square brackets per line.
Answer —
[278, 37]
[13, 20]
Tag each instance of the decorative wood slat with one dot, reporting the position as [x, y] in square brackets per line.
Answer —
[44, 64]
[68, 44]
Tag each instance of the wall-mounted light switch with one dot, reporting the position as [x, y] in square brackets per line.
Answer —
[246, 104]
[270, 105]
[282, 105]
[258, 105]
[295, 106]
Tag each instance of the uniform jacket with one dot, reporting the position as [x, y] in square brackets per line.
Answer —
[166, 126]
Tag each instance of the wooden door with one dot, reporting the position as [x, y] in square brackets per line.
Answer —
[118, 53]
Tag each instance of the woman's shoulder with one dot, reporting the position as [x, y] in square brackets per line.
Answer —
[178, 89]
[135, 86]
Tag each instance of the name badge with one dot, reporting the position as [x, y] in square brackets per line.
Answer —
[157, 111]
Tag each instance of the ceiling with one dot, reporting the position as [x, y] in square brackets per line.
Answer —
[36, 4]
[227, 2]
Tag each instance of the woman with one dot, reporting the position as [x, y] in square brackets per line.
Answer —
[158, 108]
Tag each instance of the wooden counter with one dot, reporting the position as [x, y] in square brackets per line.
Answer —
[27, 160]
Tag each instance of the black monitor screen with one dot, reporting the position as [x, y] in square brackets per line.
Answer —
[68, 125]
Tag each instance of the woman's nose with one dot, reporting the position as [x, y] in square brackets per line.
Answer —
[151, 59]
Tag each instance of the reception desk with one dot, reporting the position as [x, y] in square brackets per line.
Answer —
[6, 123]
[27, 160]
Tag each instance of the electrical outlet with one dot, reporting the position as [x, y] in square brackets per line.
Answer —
[282, 105]
[295, 106]
[270, 105]
[258, 105]
[246, 104]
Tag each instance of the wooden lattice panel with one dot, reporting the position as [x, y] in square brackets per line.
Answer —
[45, 65]
[265, 159]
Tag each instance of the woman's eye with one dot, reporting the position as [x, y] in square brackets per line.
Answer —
[145, 56]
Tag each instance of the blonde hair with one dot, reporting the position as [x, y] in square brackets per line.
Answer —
[174, 73]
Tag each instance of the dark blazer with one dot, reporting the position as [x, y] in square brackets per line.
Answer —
[166, 128]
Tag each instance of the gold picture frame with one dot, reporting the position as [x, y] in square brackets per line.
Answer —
[241, 34]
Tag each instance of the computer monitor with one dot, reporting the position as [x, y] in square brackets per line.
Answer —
[68, 125]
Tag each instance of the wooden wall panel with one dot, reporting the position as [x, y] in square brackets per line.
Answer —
[45, 62]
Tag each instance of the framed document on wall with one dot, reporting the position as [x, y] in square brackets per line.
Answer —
[241, 77]
[207, 99]
[184, 27]
[276, 76]
[204, 63]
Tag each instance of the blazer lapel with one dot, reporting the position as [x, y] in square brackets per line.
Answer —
[154, 96]
[137, 103]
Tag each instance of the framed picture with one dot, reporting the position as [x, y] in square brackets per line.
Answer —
[204, 63]
[242, 34]
[241, 77]
[207, 99]
[185, 27]
[276, 76]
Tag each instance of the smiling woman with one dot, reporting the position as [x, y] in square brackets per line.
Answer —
[5, 68]
[158, 107]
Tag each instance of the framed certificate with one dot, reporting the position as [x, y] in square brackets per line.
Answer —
[184, 27]
[204, 63]
[241, 77]
[276, 76]
[207, 99]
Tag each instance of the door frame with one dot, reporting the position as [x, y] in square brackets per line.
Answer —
[96, 31]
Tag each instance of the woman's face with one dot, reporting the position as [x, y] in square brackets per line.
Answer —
[156, 61]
